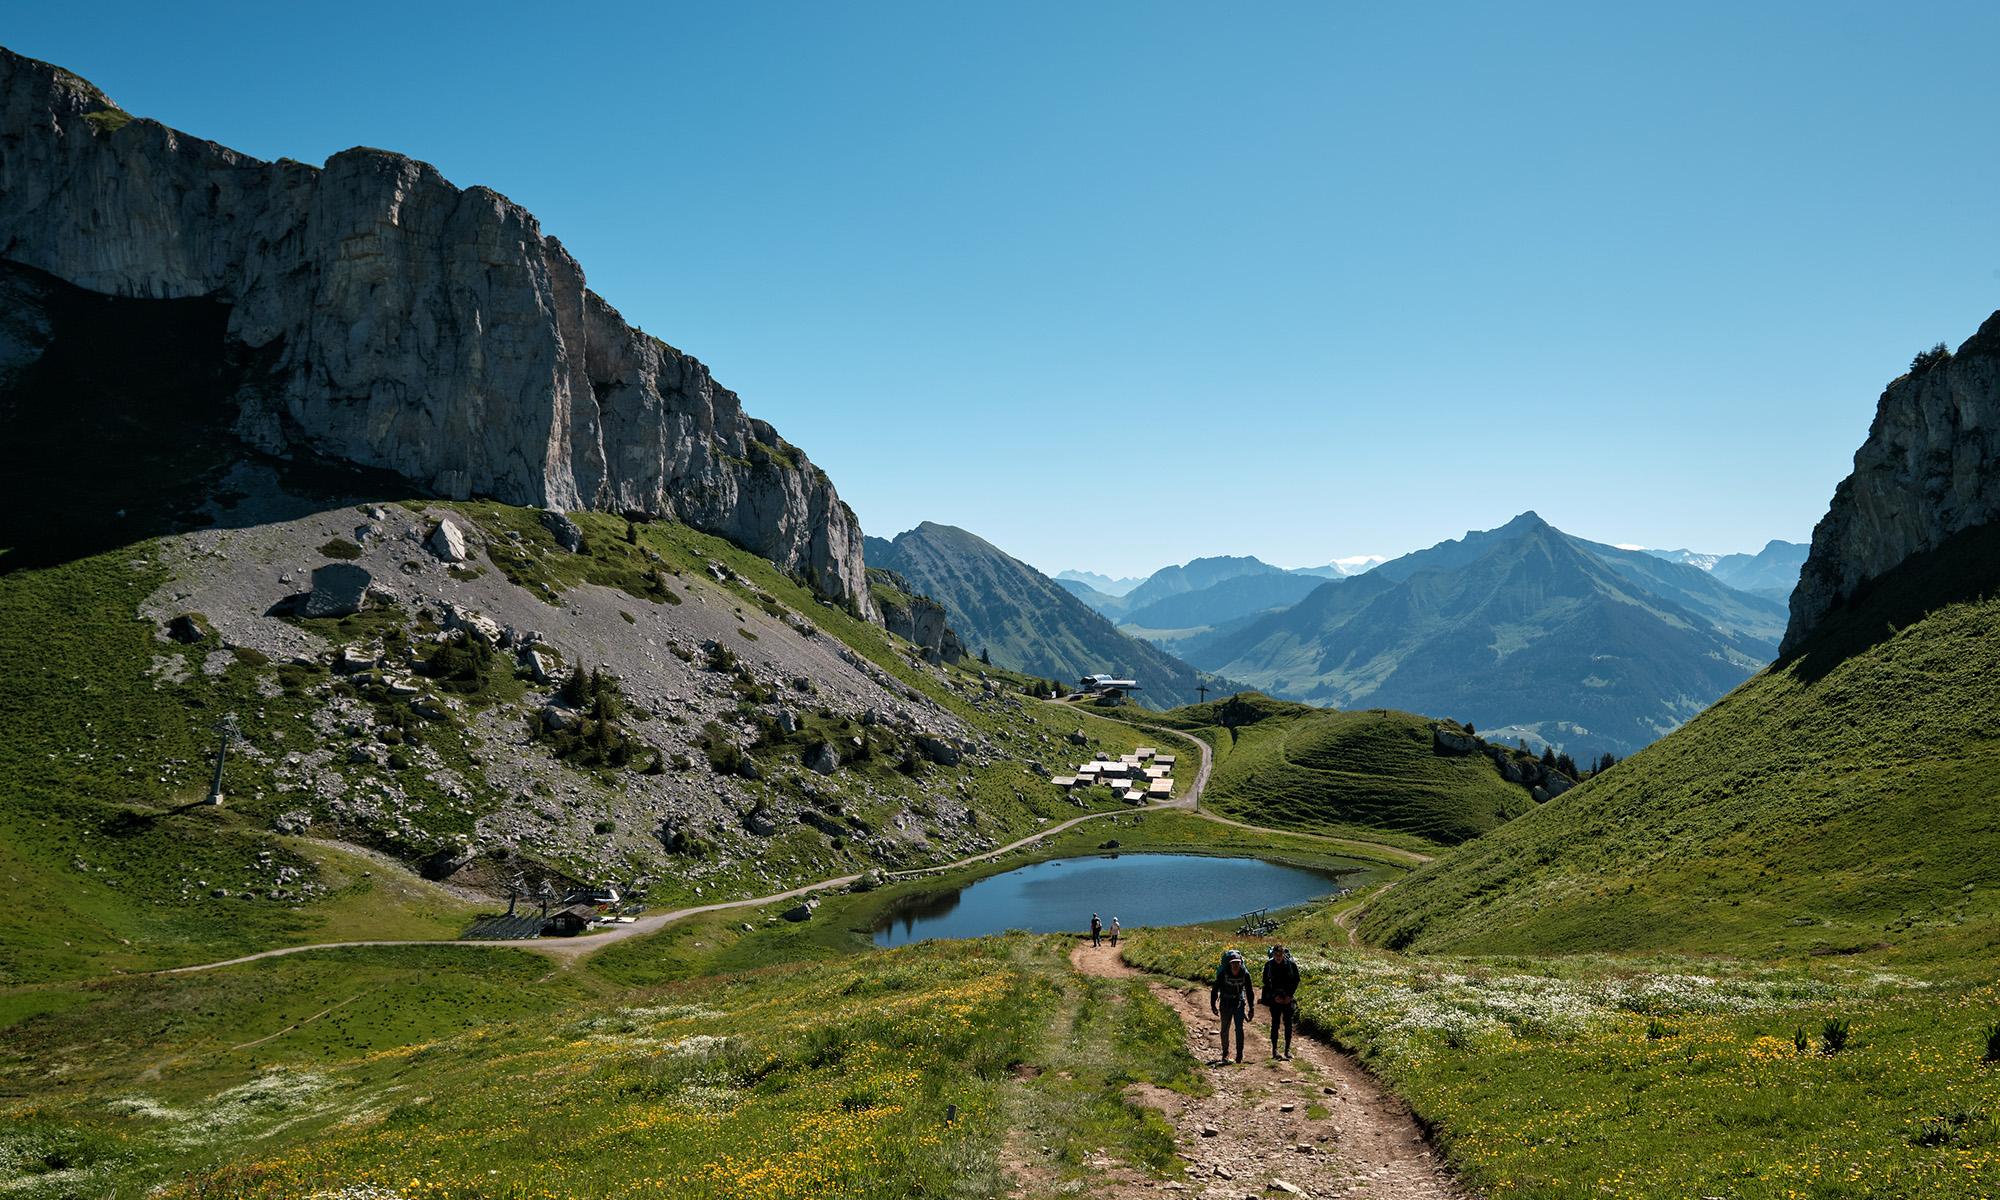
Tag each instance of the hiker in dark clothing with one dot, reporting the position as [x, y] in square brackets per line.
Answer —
[1230, 997]
[1096, 929]
[1281, 991]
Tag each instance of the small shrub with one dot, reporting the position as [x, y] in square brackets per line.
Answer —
[1800, 1040]
[1937, 355]
[341, 548]
[1833, 1036]
[605, 827]
[1657, 1029]
[1992, 1054]
[746, 633]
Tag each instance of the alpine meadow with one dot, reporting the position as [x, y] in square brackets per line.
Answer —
[457, 748]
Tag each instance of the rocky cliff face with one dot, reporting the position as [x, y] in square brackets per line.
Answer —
[918, 619]
[1930, 468]
[403, 323]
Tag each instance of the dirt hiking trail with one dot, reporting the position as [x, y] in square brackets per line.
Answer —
[1318, 1125]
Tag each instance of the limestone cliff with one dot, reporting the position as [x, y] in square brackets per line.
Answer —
[401, 322]
[1930, 468]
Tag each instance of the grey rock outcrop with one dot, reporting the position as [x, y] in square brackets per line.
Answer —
[564, 530]
[937, 750]
[919, 620]
[338, 590]
[403, 323]
[1451, 741]
[447, 542]
[1929, 468]
[822, 760]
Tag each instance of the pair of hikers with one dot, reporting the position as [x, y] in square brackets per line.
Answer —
[1230, 997]
[1097, 930]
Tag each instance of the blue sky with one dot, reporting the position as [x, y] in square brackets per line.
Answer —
[1115, 285]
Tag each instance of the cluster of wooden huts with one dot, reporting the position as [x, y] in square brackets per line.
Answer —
[1141, 777]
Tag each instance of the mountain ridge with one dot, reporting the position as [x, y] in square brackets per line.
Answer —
[385, 318]
[1025, 620]
[1511, 628]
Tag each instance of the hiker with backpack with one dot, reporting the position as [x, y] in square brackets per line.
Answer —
[1096, 929]
[1231, 998]
[1281, 990]
[1114, 931]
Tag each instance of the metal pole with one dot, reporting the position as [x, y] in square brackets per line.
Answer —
[225, 729]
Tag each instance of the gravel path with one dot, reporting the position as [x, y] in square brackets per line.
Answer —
[1317, 1125]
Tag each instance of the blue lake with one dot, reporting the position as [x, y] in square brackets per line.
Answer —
[1138, 889]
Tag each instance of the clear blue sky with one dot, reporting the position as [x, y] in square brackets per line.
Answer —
[1301, 280]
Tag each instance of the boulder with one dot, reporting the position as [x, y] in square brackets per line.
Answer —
[1076, 738]
[1556, 783]
[788, 722]
[1540, 794]
[554, 716]
[338, 590]
[1451, 741]
[474, 624]
[353, 660]
[447, 542]
[760, 821]
[564, 530]
[937, 750]
[820, 821]
[537, 665]
[187, 629]
[801, 911]
[822, 760]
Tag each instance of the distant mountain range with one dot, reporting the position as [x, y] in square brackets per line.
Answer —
[1523, 630]
[1771, 572]
[1207, 593]
[1100, 583]
[1022, 618]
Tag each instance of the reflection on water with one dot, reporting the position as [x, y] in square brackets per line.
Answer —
[1138, 889]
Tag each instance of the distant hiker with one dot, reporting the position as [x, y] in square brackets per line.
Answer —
[1114, 931]
[1231, 998]
[1096, 930]
[1281, 991]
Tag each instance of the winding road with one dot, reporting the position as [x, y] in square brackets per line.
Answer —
[569, 950]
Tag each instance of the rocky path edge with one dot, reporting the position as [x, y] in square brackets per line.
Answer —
[1317, 1124]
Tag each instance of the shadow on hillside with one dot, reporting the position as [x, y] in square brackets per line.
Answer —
[1966, 567]
[120, 430]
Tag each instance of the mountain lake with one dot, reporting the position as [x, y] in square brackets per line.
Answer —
[1139, 889]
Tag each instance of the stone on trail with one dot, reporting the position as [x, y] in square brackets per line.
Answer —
[1280, 1186]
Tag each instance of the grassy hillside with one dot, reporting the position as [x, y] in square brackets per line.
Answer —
[1373, 771]
[113, 737]
[1844, 800]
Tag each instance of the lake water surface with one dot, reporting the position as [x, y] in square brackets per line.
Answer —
[1138, 889]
